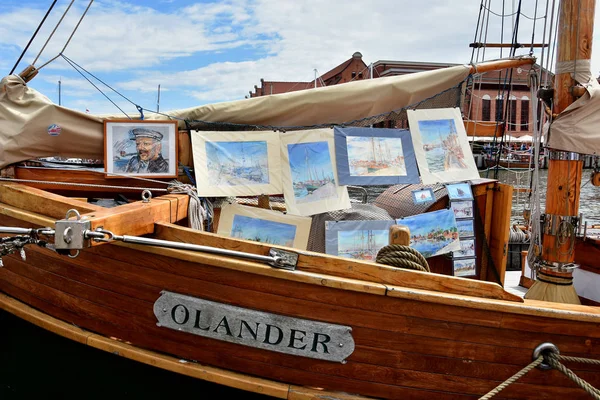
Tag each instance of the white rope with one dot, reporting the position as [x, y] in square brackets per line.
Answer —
[197, 214]
[535, 243]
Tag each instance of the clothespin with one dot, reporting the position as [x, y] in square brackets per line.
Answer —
[141, 110]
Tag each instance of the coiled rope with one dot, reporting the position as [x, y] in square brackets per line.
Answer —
[552, 359]
[401, 256]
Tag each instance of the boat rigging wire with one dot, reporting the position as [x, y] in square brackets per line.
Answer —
[68, 60]
[32, 37]
[70, 37]
[53, 31]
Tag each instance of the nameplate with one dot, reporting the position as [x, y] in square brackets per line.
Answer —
[274, 332]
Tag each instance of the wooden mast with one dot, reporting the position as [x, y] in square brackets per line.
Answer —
[575, 30]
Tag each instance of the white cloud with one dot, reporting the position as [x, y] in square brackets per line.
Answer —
[136, 48]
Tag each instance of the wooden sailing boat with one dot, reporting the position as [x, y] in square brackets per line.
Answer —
[133, 280]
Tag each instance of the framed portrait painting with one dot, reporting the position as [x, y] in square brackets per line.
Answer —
[309, 173]
[140, 148]
[265, 226]
[441, 145]
[236, 163]
[373, 156]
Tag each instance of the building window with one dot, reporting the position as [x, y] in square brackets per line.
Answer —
[524, 114]
[486, 108]
[512, 114]
[499, 109]
[353, 74]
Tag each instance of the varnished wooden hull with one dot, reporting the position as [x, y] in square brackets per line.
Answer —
[411, 341]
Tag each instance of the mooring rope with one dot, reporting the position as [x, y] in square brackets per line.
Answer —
[552, 359]
[512, 379]
[401, 256]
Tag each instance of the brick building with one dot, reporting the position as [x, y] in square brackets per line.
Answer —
[485, 101]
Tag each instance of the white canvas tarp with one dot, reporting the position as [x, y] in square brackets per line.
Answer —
[25, 114]
[577, 128]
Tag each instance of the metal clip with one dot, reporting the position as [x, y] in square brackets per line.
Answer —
[283, 259]
[70, 233]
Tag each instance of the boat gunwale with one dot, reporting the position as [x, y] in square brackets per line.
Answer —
[527, 307]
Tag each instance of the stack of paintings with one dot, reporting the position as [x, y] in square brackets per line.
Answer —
[461, 203]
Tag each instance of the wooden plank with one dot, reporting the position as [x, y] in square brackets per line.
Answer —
[485, 203]
[500, 231]
[468, 334]
[138, 218]
[41, 202]
[316, 263]
[96, 184]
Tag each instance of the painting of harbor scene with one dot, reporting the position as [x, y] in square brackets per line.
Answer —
[465, 227]
[360, 240]
[375, 156]
[264, 231]
[462, 209]
[264, 225]
[237, 163]
[467, 248]
[432, 233]
[465, 267]
[312, 171]
[441, 145]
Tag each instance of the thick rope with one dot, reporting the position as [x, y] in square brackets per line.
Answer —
[402, 257]
[553, 360]
[512, 379]
[196, 212]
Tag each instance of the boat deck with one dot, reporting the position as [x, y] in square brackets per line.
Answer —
[511, 283]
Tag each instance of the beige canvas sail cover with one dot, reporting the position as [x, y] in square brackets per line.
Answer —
[26, 115]
[577, 128]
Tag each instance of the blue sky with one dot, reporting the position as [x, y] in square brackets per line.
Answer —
[203, 52]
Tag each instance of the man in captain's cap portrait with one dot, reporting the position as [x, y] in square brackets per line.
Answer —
[148, 158]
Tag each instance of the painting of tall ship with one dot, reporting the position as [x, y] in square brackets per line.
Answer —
[375, 156]
[264, 231]
[361, 244]
[442, 148]
[312, 171]
[237, 163]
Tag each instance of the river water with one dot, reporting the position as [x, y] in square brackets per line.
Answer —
[589, 200]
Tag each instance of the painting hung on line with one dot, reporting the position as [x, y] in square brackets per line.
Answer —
[360, 240]
[441, 146]
[140, 148]
[309, 173]
[236, 163]
[264, 226]
[433, 233]
[368, 156]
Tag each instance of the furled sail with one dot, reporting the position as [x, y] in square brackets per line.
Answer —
[26, 115]
[576, 128]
